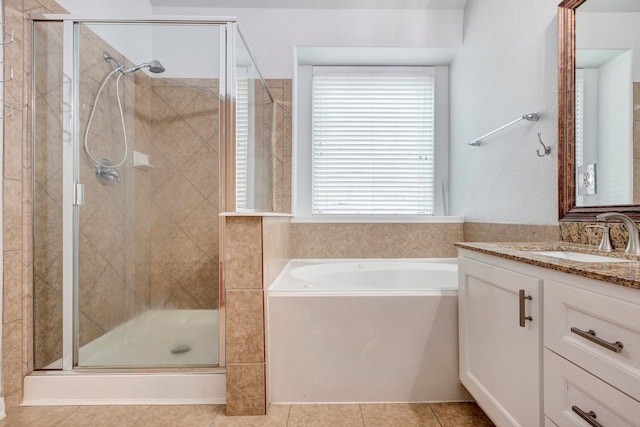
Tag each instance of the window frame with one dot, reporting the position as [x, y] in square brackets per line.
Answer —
[302, 151]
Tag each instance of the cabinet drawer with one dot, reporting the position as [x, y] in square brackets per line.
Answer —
[568, 389]
[611, 319]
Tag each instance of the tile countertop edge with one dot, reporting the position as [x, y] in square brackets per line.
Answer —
[622, 274]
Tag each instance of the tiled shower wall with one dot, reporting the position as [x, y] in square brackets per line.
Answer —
[183, 218]
[281, 91]
[17, 203]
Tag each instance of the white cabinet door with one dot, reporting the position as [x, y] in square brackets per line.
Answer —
[500, 360]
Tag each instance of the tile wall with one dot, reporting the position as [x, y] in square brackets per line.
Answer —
[281, 91]
[256, 249]
[375, 240]
[490, 232]
[17, 203]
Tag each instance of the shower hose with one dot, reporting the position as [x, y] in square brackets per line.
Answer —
[93, 110]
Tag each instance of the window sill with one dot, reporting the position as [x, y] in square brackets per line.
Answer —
[336, 219]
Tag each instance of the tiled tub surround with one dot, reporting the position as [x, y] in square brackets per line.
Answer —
[496, 232]
[405, 240]
[383, 240]
[256, 250]
[625, 274]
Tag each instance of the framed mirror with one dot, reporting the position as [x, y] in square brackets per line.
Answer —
[597, 77]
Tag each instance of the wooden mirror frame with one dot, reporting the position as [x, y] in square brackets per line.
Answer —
[567, 209]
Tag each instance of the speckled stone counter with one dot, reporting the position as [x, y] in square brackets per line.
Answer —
[625, 274]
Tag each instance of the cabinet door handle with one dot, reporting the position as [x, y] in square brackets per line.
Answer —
[589, 417]
[616, 347]
[522, 297]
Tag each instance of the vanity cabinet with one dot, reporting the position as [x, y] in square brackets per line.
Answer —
[581, 369]
[501, 341]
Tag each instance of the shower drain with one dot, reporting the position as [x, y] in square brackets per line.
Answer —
[181, 349]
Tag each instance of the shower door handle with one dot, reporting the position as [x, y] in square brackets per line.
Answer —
[522, 298]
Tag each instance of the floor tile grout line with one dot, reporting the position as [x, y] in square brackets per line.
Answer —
[435, 415]
[361, 414]
[148, 408]
[288, 415]
[59, 423]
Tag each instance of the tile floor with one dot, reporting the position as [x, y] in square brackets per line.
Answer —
[396, 414]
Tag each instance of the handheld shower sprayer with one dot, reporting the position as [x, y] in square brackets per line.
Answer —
[154, 65]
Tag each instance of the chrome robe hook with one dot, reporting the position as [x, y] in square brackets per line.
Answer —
[547, 150]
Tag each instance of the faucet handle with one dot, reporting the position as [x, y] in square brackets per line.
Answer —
[605, 243]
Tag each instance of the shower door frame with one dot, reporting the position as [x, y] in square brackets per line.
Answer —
[73, 190]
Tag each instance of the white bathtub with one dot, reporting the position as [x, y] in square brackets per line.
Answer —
[364, 331]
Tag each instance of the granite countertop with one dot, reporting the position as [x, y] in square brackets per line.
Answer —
[625, 274]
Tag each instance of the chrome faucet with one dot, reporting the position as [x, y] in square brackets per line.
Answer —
[633, 245]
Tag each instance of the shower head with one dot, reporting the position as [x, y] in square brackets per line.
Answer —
[154, 66]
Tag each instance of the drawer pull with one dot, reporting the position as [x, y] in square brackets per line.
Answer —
[521, 297]
[616, 347]
[589, 417]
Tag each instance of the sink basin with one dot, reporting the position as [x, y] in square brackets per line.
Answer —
[579, 256]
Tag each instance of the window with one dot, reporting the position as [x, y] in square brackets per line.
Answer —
[245, 139]
[370, 143]
[373, 141]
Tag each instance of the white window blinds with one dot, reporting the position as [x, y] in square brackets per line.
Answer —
[242, 140]
[373, 141]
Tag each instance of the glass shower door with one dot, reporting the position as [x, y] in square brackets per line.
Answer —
[147, 230]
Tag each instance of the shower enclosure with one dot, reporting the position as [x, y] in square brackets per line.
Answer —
[137, 147]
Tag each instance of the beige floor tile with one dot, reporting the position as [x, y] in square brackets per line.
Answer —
[277, 416]
[325, 415]
[461, 415]
[37, 416]
[179, 415]
[398, 415]
[104, 416]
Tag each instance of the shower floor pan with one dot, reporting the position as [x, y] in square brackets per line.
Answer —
[153, 339]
